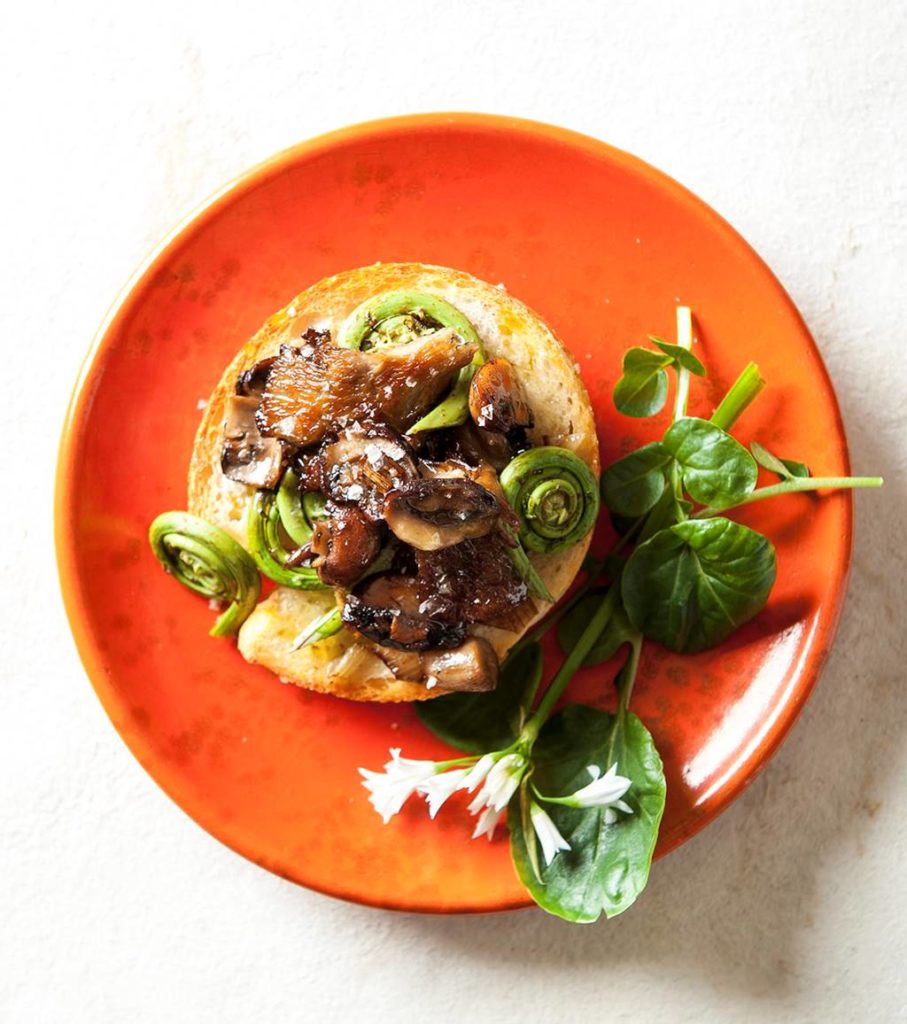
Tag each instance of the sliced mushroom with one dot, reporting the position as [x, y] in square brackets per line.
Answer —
[247, 457]
[346, 543]
[363, 464]
[477, 446]
[516, 620]
[441, 511]
[386, 608]
[484, 475]
[496, 399]
[251, 382]
[404, 664]
[472, 667]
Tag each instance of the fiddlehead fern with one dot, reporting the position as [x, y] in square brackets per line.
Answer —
[397, 317]
[555, 495]
[208, 561]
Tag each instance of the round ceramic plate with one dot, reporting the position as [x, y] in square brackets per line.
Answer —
[604, 248]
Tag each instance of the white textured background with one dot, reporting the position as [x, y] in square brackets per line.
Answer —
[789, 118]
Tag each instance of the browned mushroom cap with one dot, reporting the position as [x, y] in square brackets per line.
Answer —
[441, 511]
[496, 400]
[346, 543]
[247, 457]
[362, 465]
[386, 608]
[484, 475]
[472, 667]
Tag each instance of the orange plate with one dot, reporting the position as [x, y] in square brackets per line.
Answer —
[603, 247]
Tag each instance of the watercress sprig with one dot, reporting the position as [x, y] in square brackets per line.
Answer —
[584, 789]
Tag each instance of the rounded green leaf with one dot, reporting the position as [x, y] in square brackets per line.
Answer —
[717, 470]
[682, 356]
[607, 865]
[632, 485]
[690, 586]
[643, 388]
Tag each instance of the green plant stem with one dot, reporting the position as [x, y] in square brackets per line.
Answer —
[456, 762]
[741, 393]
[684, 340]
[811, 483]
[593, 578]
[628, 672]
[571, 663]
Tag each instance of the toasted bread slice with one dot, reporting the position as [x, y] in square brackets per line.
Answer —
[342, 665]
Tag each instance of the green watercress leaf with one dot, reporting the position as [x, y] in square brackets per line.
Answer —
[668, 510]
[682, 356]
[621, 524]
[618, 631]
[716, 469]
[690, 586]
[607, 866]
[797, 469]
[643, 388]
[632, 485]
[787, 469]
[478, 722]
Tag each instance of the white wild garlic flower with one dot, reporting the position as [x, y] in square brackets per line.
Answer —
[551, 840]
[603, 791]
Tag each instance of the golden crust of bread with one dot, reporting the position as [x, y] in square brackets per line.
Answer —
[341, 665]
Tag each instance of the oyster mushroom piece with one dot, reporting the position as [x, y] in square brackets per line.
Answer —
[386, 608]
[496, 400]
[439, 512]
[247, 457]
[311, 388]
[471, 668]
[346, 543]
[362, 465]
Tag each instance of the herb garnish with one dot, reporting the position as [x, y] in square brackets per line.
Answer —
[584, 790]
